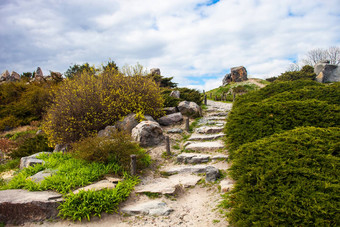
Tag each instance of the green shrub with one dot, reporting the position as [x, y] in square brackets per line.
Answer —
[10, 164]
[306, 73]
[93, 203]
[163, 81]
[248, 123]
[274, 89]
[9, 122]
[186, 94]
[117, 149]
[88, 104]
[287, 179]
[31, 146]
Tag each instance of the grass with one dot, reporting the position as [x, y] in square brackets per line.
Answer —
[9, 165]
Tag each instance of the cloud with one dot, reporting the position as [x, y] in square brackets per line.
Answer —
[195, 41]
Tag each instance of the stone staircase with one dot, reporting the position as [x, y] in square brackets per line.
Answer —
[203, 156]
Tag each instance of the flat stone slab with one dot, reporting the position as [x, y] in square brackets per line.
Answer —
[203, 137]
[187, 169]
[209, 130]
[218, 114]
[205, 146]
[214, 118]
[193, 158]
[175, 130]
[170, 185]
[18, 206]
[155, 207]
[40, 176]
[217, 157]
[97, 186]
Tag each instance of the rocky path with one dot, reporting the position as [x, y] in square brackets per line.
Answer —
[182, 190]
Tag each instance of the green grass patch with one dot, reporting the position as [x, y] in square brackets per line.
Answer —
[152, 195]
[9, 165]
[287, 179]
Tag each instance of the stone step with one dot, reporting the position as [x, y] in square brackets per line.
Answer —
[218, 114]
[154, 208]
[196, 158]
[209, 129]
[212, 173]
[202, 137]
[205, 146]
[216, 123]
[214, 118]
[18, 206]
[169, 186]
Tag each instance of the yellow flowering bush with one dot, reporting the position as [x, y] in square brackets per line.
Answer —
[87, 104]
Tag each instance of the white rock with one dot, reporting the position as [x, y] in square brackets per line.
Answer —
[205, 146]
[157, 208]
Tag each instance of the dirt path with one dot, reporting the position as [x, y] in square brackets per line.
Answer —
[194, 201]
[254, 81]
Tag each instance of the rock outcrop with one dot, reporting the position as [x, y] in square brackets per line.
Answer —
[175, 94]
[128, 123]
[326, 72]
[155, 71]
[148, 133]
[237, 74]
[14, 76]
[4, 76]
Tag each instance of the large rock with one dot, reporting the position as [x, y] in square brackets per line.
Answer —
[170, 119]
[18, 206]
[39, 76]
[190, 109]
[128, 123]
[57, 76]
[4, 76]
[175, 94]
[148, 133]
[154, 208]
[237, 74]
[155, 71]
[170, 110]
[107, 132]
[31, 160]
[14, 76]
[326, 72]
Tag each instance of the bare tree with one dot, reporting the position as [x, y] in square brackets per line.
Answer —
[293, 67]
[332, 54]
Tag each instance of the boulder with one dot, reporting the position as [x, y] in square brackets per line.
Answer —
[39, 76]
[212, 174]
[31, 160]
[155, 71]
[57, 76]
[18, 206]
[61, 148]
[170, 119]
[4, 76]
[148, 133]
[190, 109]
[128, 123]
[107, 132]
[149, 118]
[175, 94]
[326, 72]
[237, 74]
[170, 110]
[40, 176]
[14, 76]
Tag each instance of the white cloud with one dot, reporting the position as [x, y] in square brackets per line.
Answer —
[195, 43]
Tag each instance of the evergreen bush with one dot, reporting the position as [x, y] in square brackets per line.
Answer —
[287, 179]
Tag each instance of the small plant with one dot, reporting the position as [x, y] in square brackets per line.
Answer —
[152, 195]
[215, 221]
[176, 146]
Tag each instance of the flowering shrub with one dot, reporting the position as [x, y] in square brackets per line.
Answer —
[87, 104]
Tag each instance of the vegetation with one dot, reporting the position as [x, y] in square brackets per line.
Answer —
[84, 106]
[163, 81]
[186, 94]
[116, 149]
[306, 73]
[287, 179]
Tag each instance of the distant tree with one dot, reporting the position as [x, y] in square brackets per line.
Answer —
[163, 81]
[110, 65]
[26, 75]
[76, 70]
[293, 67]
[332, 54]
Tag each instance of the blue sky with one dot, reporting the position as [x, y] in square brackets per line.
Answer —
[195, 41]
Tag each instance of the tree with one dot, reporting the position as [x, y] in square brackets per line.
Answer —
[76, 70]
[332, 54]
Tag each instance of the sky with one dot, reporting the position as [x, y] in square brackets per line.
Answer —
[194, 41]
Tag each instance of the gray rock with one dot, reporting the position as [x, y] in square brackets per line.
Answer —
[149, 118]
[205, 146]
[31, 160]
[61, 148]
[326, 73]
[39, 132]
[100, 185]
[39, 76]
[57, 76]
[221, 156]
[212, 174]
[40, 176]
[128, 123]
[190, 109]
[170, 119]
[155, 71]
[175, 94]
[107, 132]
[193, 158]
[156, 208]
[18, 206]
[148, 133]
[14, 76]
[4, 76]
[170, 110]
[175, 130]
[186, 169]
